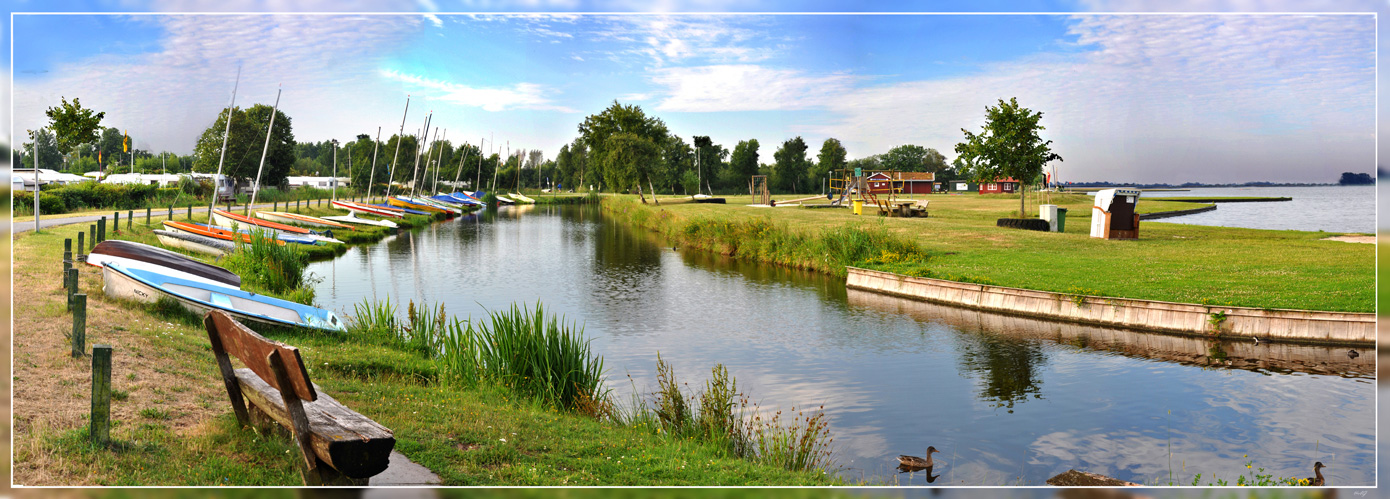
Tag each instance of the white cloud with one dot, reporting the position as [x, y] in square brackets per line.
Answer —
[519, 96]
[1212, 98]
[435, 20]
[746, 87]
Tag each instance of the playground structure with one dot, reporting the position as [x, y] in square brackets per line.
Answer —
[879, 188]
[757, 187]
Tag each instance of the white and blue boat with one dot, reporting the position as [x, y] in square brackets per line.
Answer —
[148, 286]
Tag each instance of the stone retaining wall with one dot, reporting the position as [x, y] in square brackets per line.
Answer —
[1303, 326]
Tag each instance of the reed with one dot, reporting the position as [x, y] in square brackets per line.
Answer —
[273, 268]
[522, 349]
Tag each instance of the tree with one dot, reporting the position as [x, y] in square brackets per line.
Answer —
[790, 167]
[1007, 146]
[625, 141]
[245, 144]
[744, 161]
[1349, 178]
[831, 158]
[49, 157]
[73, 124]
[109, 146]
[677, 157]
[912, 158]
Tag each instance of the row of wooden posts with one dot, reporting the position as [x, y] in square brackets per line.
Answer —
[77, 304]
[100, 430]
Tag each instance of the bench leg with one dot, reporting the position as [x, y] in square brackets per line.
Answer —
[323, 474]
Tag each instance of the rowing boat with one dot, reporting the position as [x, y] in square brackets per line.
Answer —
[235, 221]
[295, 218]
[195, 243]
[143, 256]
[148, 286]
[352, 219]
[369, 209]
[242, 236]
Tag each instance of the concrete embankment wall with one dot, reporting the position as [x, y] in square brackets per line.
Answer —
[1302, 326]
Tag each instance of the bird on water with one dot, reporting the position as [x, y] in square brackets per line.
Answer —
[1317, 470]
[918, 462]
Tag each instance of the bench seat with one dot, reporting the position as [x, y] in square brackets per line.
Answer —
[351, 443]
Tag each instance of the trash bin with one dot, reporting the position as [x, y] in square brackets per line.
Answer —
[1048, 212]
[859, 207]
[1061, 219]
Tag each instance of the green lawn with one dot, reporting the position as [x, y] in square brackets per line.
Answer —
[1169, 262]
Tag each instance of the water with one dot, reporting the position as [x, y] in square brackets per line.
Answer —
[1007, 400]
[1319, 208]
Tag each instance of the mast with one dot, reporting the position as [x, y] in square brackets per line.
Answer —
[372, 176]
[437, 159]
[216, 188]
[400, 139]
[269, 126]
[459, 170]
[415, 170]
[478, 180]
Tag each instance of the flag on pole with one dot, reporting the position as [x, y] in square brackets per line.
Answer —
[125, 142]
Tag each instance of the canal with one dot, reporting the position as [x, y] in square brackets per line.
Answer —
[1007, 400]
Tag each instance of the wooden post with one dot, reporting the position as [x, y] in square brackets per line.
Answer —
[129, 218]
[171, 212]
[101, 394]
[101, 229]
[79, 324]
[70, 281]
[190, 212]
[93, 238]
[275, 205]
[147, 216]
[80, 244]
[116, 225]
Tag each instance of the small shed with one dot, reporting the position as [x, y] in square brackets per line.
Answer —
[1005, 186]
[916, 182]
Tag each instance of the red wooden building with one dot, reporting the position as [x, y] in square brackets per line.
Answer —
[1006, 186]
[903, 182]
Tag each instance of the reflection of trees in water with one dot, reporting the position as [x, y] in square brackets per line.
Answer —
[1008, 368]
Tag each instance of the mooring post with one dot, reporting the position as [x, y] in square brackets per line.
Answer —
[101, 394]
[79, 324]
[70, 281]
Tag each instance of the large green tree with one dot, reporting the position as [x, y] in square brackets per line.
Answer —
[626, 143]
[245, 144]
[1007, 146]
[791, 166]
[110, 147]
[831, 158]
[73, 124]
[42, 142]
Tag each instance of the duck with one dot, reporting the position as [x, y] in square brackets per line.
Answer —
[1317, 470]
[1353, 354]
[917, 462]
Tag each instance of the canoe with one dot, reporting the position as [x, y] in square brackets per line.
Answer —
[147, 286]
[195, 243]
[243, 235]
[235, 221]
[143, 256]
[521, 198]
[295, 218]
[367, 209]
[352, 219]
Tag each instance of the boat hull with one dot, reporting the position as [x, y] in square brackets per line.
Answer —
[366, 209]
[293, 218]
[363, 221]
[198, 298]
[195, 243]
[238, 222]
[154, 259]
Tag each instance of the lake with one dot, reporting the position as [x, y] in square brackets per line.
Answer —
[1314, 208]
[1007, 400]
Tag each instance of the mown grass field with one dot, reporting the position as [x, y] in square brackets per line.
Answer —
[1169, 262]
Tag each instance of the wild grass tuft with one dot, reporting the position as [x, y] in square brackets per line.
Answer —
[273, 268]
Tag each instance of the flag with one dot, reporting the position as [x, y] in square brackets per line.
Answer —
[125, 142]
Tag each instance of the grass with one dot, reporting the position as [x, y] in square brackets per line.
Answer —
[1170, 262]
[175, 427]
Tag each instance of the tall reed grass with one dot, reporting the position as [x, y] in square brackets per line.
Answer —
[272, 268]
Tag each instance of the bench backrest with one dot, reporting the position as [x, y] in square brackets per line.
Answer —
[230, 337]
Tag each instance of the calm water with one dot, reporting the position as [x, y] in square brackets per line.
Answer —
[1006, 400]
[1325, 208]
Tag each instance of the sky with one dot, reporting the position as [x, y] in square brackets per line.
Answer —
[1124, 97]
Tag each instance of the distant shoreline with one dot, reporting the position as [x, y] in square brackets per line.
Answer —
[1092, 187]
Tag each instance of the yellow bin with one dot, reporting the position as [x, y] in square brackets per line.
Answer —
[859, 207]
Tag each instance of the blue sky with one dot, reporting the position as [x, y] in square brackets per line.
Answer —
[1125, 97]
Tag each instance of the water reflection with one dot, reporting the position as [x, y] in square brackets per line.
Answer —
[895, 375]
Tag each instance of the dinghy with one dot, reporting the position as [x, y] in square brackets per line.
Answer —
[134, 255]
[521, 199]
[195, 243]
[368, 209]
[295, 218]
[352, 219]
[235, 221]
[198, 297]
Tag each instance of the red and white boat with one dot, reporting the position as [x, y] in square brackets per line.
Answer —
[367, 209]
[235, 221]
[295, 218]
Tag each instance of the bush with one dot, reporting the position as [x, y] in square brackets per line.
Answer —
[274, 268]
[48, 203]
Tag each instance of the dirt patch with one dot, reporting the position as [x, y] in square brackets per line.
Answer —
[159, 374]
[1352, 239]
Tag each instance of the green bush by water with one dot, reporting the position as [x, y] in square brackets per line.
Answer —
[276, 269]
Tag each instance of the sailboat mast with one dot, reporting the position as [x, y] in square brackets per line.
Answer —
[216, 189]
[423, 135]
[372, 176]
[400, 140]
[256, 189]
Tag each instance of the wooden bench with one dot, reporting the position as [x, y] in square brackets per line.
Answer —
[337, 446]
